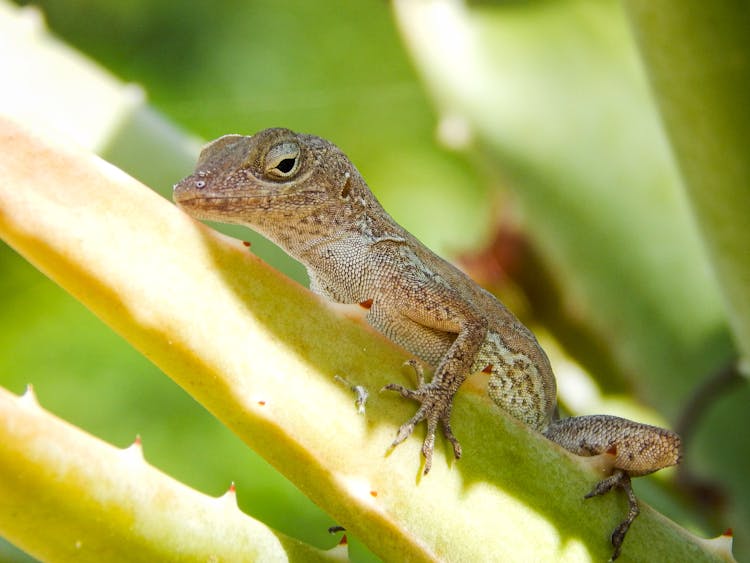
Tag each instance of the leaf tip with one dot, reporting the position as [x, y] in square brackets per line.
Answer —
[721, 545]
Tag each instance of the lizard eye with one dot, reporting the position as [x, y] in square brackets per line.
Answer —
[282, 160]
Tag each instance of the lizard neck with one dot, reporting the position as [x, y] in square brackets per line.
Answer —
[308, 236]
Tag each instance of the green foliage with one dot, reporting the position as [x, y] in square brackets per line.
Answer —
[560, 113]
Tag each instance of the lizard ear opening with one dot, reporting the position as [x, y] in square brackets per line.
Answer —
[346, 190]
[282, 160]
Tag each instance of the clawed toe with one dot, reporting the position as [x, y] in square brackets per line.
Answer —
[408, 393]
[407, 428]
[618, 536]
[428, 447]
[403, 433]
[617, 479]
[448, 433]
[418, 371]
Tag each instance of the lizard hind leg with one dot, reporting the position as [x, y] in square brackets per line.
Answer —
[432, 410]
[621, 480]
[638, 449]
[445, 419]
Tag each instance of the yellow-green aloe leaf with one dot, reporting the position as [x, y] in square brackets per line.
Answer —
[65, 495]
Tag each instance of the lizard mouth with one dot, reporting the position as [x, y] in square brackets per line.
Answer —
[216, 206]
[187, 199]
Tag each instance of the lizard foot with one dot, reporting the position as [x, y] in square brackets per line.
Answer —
[435, 408]
[621, 480]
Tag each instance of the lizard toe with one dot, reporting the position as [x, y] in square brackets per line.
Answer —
[448, 433]
[418, 371]
[403, 433]
[407, 428]
[618, 536]
[428, 447]
[607, 484]
[403, 391]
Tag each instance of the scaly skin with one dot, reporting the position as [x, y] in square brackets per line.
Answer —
[303, 193]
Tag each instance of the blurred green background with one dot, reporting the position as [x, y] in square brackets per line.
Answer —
[564, 180]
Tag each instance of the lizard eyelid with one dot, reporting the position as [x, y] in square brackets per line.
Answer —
[282, 160]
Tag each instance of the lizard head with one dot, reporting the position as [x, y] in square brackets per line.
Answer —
[270, 179]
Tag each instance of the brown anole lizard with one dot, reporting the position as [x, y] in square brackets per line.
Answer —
[304, 194]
